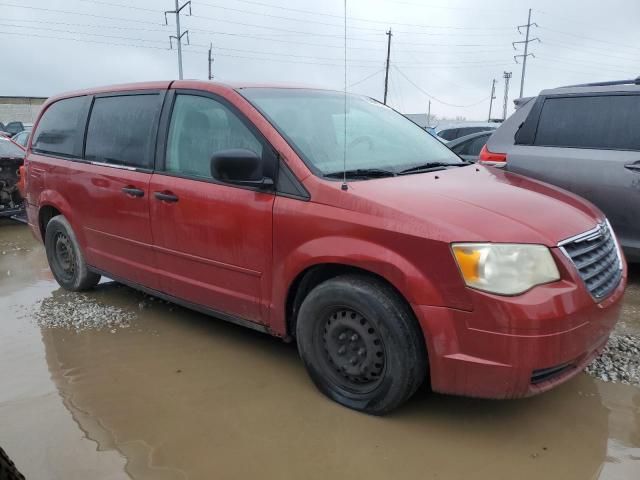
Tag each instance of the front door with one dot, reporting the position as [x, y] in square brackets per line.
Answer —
[212, 240]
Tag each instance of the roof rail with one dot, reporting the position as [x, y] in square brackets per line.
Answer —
[635, 81]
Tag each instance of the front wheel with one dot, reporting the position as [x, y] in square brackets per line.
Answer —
[361, 343]
[65, 257]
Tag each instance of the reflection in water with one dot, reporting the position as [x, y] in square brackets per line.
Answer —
[179, 395]
[184, 396]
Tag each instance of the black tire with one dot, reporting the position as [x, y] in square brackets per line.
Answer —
[361, 343]
[65, 257]
[8, 470]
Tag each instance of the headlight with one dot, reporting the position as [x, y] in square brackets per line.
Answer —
[505, 268]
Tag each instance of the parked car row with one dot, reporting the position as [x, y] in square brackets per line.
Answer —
[12, 128]
[453, 131]
[17, 131]
[385, 256]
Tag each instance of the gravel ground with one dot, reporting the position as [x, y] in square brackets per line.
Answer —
[80, 311]
[619, 362]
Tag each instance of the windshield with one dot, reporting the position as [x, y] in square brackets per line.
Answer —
[377, 137]
[9, 149]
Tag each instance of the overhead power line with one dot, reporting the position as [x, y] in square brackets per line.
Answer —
[592, 39]
[68, 12]
[121, 5]
[358, 19]
[362, 80]
[117, 37]
[419, 88]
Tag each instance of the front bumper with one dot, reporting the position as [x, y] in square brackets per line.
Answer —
[510, 347]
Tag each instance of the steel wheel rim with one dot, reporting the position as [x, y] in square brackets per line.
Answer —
[64, 255]
[352, 350]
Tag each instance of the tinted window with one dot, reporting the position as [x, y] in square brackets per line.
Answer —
[14, 127]
[475, 145]
[590, 122]
[61, 128]
[200, 127]
[471, 147]
[122, 130]
[450, 134]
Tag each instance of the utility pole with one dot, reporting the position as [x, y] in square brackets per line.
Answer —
[386, 74]
[178, 36]
[526, 42]
[492, 97]
[507, 77]
[429, 115]
[210, 61]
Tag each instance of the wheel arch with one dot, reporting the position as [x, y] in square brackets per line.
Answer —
[315, 274]
[50, 204]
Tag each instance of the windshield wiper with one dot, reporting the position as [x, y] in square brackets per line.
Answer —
[431, 166]
[362, 173]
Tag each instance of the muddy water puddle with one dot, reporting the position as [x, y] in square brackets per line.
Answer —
[177, 395]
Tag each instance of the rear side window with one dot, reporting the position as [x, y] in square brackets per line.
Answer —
[607, 122]
[471, 147]
[61, 128]
[122, 130]
[449, 134]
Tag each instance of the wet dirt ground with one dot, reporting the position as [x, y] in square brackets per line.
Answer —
[172, 394]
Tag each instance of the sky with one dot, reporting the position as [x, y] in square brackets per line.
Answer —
[444, 51]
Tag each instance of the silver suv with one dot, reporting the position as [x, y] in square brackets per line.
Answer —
[585, 139]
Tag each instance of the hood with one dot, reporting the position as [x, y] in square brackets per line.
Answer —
[475, 203]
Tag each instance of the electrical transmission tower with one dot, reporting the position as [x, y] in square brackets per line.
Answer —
[526, 54]
[178, 36]
[507, 77]
[492, 97]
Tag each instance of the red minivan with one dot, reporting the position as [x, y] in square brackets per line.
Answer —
[331, 220]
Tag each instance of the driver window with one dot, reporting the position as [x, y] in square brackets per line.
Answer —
[200, 127]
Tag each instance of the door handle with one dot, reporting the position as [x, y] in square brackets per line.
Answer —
[634, 167]
[133, 191]
[166, 197]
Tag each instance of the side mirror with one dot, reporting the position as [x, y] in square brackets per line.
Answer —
[240, 167]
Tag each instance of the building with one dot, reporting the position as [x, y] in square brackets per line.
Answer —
[19, 109]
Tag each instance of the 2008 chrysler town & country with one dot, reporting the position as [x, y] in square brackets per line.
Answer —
[231, 200]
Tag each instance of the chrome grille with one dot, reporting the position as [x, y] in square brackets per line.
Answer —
[596, 256]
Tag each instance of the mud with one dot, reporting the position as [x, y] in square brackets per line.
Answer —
[178, 395]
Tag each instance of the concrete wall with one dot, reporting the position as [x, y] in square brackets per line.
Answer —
[19, 109]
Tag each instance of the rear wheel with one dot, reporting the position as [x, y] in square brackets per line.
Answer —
[361, 343]
[65, 257]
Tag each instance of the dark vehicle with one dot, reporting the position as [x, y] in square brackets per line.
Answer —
[583, 138]
[469, 146]
[22, 138]
[11, 159]
[14, 127]
[453, 131]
